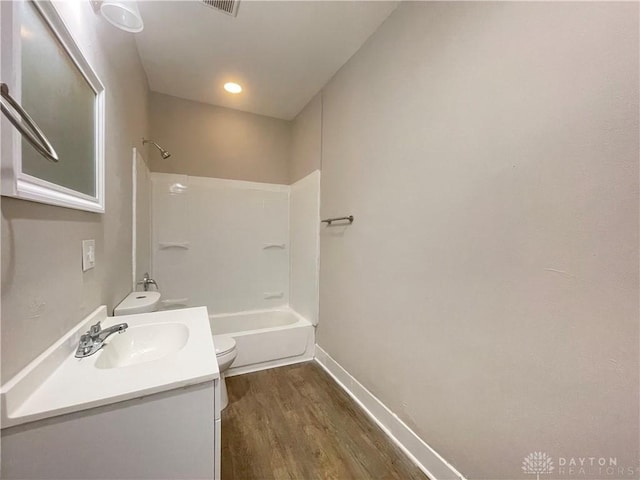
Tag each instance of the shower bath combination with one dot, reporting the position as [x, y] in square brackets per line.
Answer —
[163, 152]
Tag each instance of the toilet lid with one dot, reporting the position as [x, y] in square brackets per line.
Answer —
[223, 344]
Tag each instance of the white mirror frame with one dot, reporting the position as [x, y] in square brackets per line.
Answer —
[14, 182]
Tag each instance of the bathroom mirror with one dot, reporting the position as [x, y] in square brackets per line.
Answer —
[53, 106]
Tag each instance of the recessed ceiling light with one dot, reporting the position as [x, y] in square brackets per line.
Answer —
[232, 87]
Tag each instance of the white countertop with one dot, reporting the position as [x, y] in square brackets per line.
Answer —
[57, 383]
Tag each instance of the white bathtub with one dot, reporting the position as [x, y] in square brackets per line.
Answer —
[266, 338]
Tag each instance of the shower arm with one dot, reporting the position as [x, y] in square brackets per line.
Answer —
[145, 141]
[165, 154]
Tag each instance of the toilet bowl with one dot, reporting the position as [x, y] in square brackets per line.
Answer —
[145, 302]
[138, 302]
[225, 355]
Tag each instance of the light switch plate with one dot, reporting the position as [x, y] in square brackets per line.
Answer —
[88, 254]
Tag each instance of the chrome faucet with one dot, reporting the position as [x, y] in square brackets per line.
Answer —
[94, 339]
[146, 281]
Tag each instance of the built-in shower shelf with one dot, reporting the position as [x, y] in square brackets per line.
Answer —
[268, 246]
[175, 302]
[166, 245]
[271, 295]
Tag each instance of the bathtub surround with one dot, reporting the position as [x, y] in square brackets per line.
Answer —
[210, 141]
[490, 281]
[226, 244]
[304, 209]
[246, 250]
[220, 243]
[43, 287]
[304, 233]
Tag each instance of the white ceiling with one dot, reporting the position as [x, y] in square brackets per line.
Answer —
[282, 53]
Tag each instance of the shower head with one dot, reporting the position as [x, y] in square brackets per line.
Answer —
[163, 152]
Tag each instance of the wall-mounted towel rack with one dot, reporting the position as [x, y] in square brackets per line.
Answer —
[328, 221]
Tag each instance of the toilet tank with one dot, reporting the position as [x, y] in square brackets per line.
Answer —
[138, 302]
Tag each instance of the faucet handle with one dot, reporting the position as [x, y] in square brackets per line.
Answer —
[95, 329]
[85, 346]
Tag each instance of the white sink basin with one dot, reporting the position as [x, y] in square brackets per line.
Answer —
[160, 351]
[142, 344]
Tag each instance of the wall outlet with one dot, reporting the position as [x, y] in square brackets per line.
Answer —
[88, 254]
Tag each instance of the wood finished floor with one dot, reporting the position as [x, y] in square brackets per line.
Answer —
[295, 422]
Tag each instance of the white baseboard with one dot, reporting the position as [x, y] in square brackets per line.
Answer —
[425, 457]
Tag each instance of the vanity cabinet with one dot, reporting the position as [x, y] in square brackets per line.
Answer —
[152, 410]
[169, 435]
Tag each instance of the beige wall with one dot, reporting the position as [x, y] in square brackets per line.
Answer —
[487, 291]
[44, 292]
[306, 140]
[209, 141]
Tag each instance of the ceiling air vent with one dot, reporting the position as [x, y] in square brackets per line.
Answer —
[230, 7]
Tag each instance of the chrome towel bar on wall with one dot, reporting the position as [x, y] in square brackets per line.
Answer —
[26, 125]
[328, 221]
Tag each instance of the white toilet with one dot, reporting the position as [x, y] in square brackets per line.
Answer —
[138, 302]
[225, 355]
[145, 302]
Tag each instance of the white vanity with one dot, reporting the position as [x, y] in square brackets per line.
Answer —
[145, 406]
